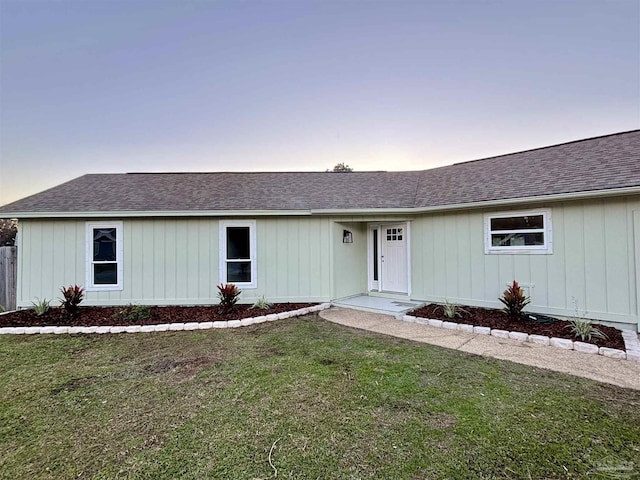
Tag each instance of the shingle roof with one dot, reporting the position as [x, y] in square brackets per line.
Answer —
[601, 163]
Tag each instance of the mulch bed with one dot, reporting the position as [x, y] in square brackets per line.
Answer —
[106, 316]
[493, 318]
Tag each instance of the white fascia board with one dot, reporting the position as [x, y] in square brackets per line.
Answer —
[158, 213]
[365, 211]
[559, 197]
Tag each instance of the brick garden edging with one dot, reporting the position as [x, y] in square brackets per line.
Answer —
[631, 342]
[164, 327]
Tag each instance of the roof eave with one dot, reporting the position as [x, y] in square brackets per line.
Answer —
[154, 213]
[558, 197]
[614, 192]
[583, 195]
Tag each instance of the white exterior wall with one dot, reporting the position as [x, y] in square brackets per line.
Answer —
[593, 261]
[175, 261]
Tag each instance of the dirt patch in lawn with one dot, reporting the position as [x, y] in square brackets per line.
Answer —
[105, 316]
[75, 384]
[498, 319]
[185, 368]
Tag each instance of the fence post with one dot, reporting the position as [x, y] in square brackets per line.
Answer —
[8, 277]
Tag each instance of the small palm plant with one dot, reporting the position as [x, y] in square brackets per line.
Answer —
[451, 310]
[40, 307]
[583, 328]
[262, 304]
[514, 300]
[228, 295]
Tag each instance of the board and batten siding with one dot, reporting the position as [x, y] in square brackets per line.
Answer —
[592, 264]
[349, 260]
[175, 261]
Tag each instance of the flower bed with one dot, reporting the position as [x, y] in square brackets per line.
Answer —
[107, 316]
[499, 320]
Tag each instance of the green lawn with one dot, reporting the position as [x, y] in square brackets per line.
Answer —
[313, 399]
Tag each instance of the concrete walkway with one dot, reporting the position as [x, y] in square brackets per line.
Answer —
[595, 367]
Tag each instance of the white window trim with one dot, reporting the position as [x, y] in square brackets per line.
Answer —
[252, 251]
[545, 249]
[90, 226]
[374, 285]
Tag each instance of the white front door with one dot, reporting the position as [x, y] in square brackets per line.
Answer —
[393, 258]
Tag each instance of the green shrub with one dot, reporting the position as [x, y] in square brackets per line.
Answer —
[1, 309]
[451, 310]
[133, 313]
[514, 300]
[228, 295]
[262, 304]
[582, 327]
[41, 306]
[73, 296]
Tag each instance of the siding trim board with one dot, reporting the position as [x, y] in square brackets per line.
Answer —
[636, 230]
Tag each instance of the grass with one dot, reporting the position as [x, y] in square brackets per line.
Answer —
[326, 401]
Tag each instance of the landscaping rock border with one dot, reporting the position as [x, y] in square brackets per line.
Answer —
[631, 342]
[163, 327]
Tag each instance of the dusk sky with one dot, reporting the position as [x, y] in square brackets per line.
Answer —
[155, 85]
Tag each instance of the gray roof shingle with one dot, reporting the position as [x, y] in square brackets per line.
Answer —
[601, 163]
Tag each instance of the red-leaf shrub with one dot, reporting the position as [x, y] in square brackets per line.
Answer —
[514, 300]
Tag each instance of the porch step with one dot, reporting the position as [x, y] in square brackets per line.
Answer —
[388, 306]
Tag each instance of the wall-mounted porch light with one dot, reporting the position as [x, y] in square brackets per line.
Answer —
[347, 236]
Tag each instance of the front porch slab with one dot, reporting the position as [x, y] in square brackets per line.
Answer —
[388, 306]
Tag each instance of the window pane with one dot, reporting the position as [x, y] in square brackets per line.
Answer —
[238, 272]
[517, 223]
[375, 254]
[238, 242]
[104, 244]
[517, 239]
[105, 274]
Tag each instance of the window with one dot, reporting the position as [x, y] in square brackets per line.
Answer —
[238, 253]
[104, 256]
[394, 234]
[518, 232]
[375, 255]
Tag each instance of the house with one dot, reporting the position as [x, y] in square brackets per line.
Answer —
[563, 220]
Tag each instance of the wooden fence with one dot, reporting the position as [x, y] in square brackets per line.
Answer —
[8, 277]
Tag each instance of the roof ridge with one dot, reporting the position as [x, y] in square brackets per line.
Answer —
[555, 145]
[260, 172]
